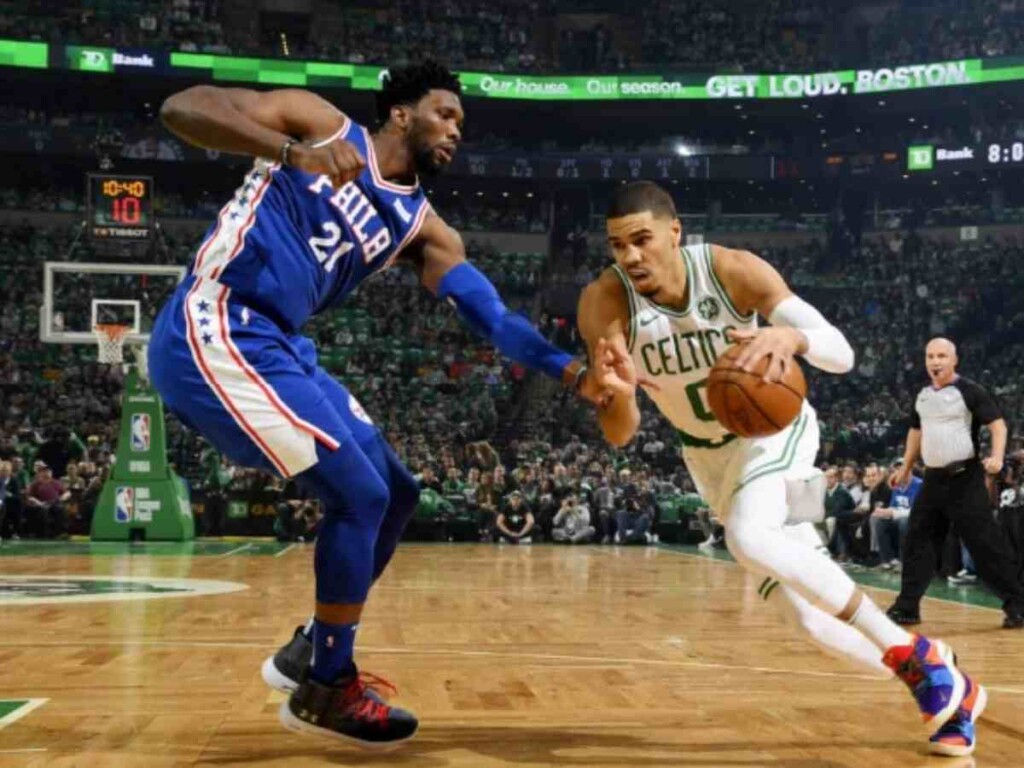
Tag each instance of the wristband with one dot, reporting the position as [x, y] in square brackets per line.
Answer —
[577, 382]
[286, 150]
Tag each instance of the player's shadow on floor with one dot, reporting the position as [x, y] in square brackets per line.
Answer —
[433, 748]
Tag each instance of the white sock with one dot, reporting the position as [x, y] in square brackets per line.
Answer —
[308, 629]
[883, 632]
[836, 638]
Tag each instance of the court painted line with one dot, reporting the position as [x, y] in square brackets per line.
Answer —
[141, 644]
[30, 706]
[289, 548]
[705, 558]
[234, 551]
[21, 751]
[512, 591]
[614, 661]
[573, 660]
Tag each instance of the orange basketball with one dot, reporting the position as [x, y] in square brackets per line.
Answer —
[747, 406]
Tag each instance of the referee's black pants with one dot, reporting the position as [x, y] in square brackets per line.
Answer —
[960, 499]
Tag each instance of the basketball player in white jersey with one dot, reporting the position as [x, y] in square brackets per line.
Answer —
[659, 318]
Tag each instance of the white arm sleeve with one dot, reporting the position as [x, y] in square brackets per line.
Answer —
[827, 348]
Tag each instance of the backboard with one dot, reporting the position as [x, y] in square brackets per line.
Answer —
[78, 295]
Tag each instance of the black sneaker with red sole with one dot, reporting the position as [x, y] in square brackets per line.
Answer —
[348, 711]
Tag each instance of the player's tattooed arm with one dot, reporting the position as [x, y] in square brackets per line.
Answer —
[282, 125]
[603, 318]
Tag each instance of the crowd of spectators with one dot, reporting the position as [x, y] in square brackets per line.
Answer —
[468, 212]
[187, 25]
[464, 419]
[535, 490]
[868, 514]
[547, 35]
[110, 137]
[959, 29]
[402, 353]
[49, 487]
[773, 36]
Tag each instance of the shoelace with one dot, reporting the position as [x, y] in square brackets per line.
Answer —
[366, 708]
[377, 683]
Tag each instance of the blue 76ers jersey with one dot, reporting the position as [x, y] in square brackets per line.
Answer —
[289, 245]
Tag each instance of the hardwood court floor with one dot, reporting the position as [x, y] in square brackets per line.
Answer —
[510, 656]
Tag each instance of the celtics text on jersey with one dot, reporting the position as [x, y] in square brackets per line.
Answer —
[676, 348]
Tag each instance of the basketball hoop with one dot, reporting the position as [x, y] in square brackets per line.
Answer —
[110, 342]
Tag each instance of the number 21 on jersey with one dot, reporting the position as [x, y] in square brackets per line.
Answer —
[326, 248]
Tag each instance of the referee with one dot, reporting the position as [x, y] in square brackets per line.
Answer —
[944, 429]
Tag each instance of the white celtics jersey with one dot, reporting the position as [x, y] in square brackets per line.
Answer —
[676, 349]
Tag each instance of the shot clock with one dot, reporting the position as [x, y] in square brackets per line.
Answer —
[120, 207]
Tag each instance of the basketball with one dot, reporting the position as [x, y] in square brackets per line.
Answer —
[748, 406]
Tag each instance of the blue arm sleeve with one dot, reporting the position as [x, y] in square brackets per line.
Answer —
[481, 307]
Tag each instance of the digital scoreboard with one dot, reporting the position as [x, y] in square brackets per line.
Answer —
[119, 207]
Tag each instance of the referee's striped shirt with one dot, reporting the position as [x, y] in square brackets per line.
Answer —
[950, 420]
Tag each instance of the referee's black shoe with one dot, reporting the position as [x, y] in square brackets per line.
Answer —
[902, 617]
[1013, 620]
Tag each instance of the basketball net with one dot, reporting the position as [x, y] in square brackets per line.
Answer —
[110, 342]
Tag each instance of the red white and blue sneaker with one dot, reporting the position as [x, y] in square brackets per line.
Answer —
[347, 711]
[929, 670]
[956, 738]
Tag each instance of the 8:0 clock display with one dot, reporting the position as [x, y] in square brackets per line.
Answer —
[1006, 153]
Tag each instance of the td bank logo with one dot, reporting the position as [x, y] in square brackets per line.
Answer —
[47, 590]
[95, 59]
[921, 158]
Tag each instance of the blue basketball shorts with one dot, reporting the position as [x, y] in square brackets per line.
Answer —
[251, 389]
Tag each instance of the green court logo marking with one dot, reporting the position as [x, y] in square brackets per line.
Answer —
[12, 710]
[48, 590]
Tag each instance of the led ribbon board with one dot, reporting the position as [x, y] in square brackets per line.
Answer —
[495, 85]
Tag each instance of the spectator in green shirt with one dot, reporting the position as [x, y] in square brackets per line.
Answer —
[453, 485]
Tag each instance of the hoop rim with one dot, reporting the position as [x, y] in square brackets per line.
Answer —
[111, 331]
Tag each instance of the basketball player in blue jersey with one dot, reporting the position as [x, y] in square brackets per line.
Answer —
[326, 205]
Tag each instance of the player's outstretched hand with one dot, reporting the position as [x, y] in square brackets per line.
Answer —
[614, 370]
[778, 343]
[339, 159]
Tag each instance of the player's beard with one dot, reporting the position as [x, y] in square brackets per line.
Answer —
[424, 162]
[423, 158]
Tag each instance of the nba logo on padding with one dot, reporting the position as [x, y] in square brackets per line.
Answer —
[124, 504]
[140, 432]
